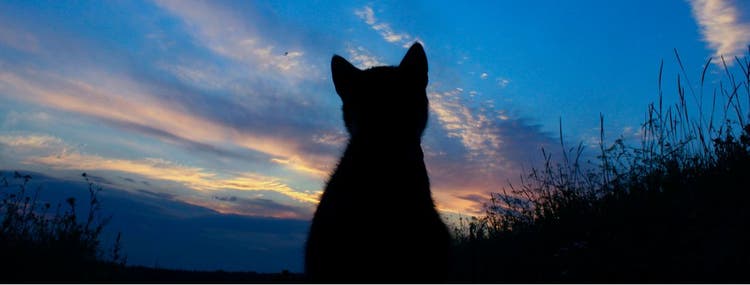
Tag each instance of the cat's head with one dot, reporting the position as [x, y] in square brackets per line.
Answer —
[387, 102]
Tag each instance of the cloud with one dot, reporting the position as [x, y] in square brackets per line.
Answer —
[366, 14]
[187, 144]
[200, 74]
[295, 164]
[385, 30]
[474, 165]
[32, 142]
[503, 82]
[258, 207]
[160, 195]
[493, 147]
[721, 26]
[461, 122]
[57, 154]
[362, 58]
[476, 198]
[15, 118]
[334, 139]
[222, 30]
[195, 178]
[153, 115]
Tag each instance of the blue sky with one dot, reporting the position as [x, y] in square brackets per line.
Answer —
[227, 108]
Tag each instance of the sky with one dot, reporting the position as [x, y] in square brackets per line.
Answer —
[216, 122]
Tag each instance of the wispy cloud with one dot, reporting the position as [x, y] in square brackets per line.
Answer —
[256, 206]
[204, 75]
[721, 26]
[362, 58]
[502, 82]
[114, 103]
[385, 30]
[494, 147]
[58, 155]
[194, 178]
[15, 118]
[461, 122]
[222, 30]
[30, 141]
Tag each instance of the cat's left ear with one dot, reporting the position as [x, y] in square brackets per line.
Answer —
[344, 74]
[415, 63]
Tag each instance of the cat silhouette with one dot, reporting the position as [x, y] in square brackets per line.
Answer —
[376, 221]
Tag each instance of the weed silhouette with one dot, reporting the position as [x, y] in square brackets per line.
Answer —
[376, 221]
[40, 242]
[673, 209]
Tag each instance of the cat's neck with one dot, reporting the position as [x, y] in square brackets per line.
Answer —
[383, 148]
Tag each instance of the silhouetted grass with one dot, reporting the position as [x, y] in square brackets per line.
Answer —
[672, 209]
[140, 274]
[45, 243]
[42, 242]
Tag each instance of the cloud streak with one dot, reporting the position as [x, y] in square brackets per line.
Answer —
[148, 112]
[154, 168]
[255, 207]
[52, 152]
[461, 122]
[221, 30]
[384, 29]
[360, 57]
[30, 142]
[492, 149]
[721, 26]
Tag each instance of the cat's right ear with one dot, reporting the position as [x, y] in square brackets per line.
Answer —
[344, 75]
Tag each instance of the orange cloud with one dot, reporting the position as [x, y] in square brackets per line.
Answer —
[130, 105]
[192, 177]
[30, 141]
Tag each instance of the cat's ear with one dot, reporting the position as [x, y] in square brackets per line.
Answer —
[415, 64]
[343, 74]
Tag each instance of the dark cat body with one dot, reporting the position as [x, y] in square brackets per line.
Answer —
[376, 221]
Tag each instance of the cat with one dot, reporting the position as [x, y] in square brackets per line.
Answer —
[376, 221]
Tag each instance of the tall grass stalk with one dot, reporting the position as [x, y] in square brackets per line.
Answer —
[670, 209]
